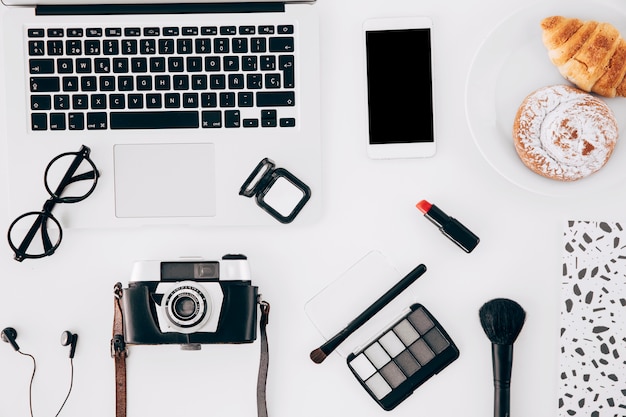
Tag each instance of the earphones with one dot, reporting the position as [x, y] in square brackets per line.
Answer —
[69, 339]
[9, 334]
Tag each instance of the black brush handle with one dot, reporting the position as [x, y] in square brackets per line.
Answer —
[502, 358]
[378, 305]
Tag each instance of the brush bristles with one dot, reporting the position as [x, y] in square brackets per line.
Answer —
[318, 355]
[502, 320]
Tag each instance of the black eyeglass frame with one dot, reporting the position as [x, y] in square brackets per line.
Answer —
[45, 214]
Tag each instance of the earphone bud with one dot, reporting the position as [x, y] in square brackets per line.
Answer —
[69, 339]
[9, 334]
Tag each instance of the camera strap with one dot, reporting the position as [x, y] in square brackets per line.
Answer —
[119, 352]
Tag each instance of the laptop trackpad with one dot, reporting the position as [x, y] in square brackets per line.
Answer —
[165, 180]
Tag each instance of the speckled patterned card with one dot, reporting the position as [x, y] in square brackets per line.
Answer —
[592, 380]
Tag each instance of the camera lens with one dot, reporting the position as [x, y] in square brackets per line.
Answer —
[184, 307]
[187, 307]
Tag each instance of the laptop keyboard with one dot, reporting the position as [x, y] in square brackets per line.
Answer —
[209, 77]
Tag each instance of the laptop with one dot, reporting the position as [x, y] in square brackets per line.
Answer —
[178, 101]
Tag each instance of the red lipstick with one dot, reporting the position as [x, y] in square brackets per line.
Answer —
[449, 226]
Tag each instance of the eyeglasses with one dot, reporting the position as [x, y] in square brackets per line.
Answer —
[75, 177]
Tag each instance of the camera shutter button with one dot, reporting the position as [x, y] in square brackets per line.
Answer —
[234, 257]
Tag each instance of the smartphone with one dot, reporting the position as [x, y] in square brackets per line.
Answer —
[401, 119]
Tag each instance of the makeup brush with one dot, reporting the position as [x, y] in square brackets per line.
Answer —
[319, 354]
[502, 320]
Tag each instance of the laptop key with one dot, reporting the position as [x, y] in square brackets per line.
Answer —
[76, 121]
[110, 32]
[247, 30]
[155, 120]
[286, 64]
[92, 47]
[268, 118]
[73, 47]
[275, 99]
[152, 31]
[171, 31]
[93, 32]
[39, 121]
[287, 122]
[96, 121]
[209, 30]
[57, 121]
[285, 29]
[41, 66]
[44, 84]
[55, 47]
[232, 118]
[83, 65]
[39, 102]
[36, 33]
[211, 119]
[272, 80]
[132, 32]
[75, 32]
[190, 31]
[61, 102]
[228, 30]
[55, 33]
[80, 102]
[36, 48]
[282, 44]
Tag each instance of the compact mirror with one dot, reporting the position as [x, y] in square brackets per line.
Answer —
[276, 190]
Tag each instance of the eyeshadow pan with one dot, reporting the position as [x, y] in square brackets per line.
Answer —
[421, 321]
[392, 374]
[377, 355]
[437, 342]
[422, 352]
[403, 357]
[362, 366]
[378, 386]
[407, 363]
[392, 344]
[406, 332]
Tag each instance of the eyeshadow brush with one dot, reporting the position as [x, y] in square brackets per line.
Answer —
[502, 320]
[319, 354]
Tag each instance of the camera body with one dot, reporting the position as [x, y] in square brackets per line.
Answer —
[190, 302]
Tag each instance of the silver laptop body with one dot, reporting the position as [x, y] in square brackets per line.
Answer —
[176, 154]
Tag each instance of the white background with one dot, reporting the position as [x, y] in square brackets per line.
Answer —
[367, 205]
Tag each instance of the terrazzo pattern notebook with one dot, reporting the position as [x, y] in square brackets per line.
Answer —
[593, 321]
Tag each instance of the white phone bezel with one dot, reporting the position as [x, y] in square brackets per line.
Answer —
[398, 150]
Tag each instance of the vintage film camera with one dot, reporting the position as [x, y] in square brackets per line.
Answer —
[190, 302]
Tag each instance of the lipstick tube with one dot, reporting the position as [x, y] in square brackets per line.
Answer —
[449, 226]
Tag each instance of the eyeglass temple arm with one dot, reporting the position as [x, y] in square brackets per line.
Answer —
[40, 222]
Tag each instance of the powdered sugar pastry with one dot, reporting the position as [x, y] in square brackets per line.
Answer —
[564, 133]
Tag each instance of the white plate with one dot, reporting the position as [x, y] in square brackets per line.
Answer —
[510, 64]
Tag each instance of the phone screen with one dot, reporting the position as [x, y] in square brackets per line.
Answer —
[399, 82]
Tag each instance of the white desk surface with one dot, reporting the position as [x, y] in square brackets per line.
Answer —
[367, 205]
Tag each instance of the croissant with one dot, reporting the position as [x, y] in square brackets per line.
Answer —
[590, 54]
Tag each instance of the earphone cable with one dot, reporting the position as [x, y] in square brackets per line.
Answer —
[70, 390]
[32, 378]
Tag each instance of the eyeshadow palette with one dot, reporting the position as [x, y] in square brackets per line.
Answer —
[403, 357]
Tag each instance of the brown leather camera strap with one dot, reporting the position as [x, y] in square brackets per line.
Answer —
[263, 361]
[119, 354]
